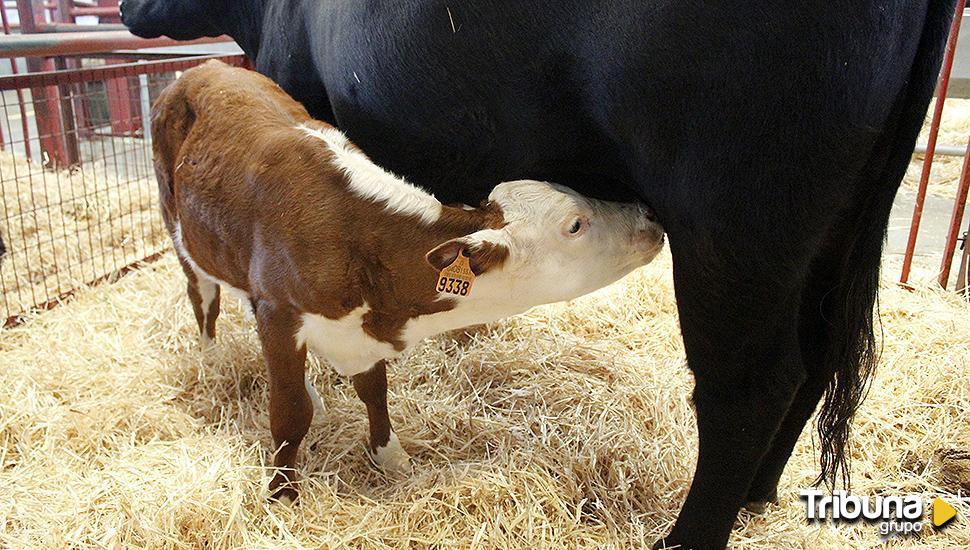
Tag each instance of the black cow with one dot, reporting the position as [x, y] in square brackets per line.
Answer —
[770, 137]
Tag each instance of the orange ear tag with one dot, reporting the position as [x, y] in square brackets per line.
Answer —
[457, 278]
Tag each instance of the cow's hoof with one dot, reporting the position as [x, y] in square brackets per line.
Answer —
[392, 458]
[756, 507]
[759, 506]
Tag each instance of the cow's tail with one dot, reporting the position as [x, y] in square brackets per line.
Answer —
[853, 353]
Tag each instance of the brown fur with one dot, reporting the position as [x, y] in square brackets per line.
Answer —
[234, 163]
[262, 207]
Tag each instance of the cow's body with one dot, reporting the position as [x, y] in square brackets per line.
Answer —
[769, 136]
[337, 256]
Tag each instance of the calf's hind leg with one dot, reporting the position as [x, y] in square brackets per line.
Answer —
[384, 446]
[204, 297]
[290, 407]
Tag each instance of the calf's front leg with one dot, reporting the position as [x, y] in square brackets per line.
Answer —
[384, 446]
[290, 407]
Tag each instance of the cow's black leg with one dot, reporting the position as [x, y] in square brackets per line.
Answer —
[740, 326]
[764, 487]
[814, 331]
[826, 337]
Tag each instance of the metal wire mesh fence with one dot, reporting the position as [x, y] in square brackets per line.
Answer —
[79, 202]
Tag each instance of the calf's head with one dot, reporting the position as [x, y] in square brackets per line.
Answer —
[555, 244]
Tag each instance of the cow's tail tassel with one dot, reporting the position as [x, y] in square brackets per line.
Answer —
[852, 356]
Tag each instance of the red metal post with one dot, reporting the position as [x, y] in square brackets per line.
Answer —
[108, 11]
[956, 220]
[963, 277]
[119, 104]
[46, 108]
[24, 124]
[924, 178]
[81, 124]
[63, 13]
[115, 17]
[68, 121]
[68, 116]
[124, 120]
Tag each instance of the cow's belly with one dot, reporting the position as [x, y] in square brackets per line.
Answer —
[453, 112]
[456, 109]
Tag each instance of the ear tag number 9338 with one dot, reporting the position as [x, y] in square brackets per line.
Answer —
[457, 278]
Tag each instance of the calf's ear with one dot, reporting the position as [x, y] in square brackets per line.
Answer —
[482, 255]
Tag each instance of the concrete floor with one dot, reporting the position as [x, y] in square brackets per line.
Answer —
[933, 229]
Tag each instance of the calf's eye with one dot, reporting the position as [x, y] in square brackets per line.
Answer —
[578, 227]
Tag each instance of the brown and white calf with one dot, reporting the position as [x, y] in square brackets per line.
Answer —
[340, 257]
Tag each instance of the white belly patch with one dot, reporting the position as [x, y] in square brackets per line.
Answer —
[343, 342]
[340, 342]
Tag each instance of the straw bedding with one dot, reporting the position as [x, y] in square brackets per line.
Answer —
[567, 426]
[67, 227]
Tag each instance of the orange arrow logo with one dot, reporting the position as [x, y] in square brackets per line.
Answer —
[942, 512]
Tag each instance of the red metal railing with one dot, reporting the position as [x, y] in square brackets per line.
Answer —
[85, 210]
[924, 178]
[79, 43]
[64, 228]
[956, 219]
[107, 72]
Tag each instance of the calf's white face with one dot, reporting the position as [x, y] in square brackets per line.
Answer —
[560, 244]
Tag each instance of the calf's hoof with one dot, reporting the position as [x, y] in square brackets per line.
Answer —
[282, 490]
[392, 458]
[206, 344]
[286, 496]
